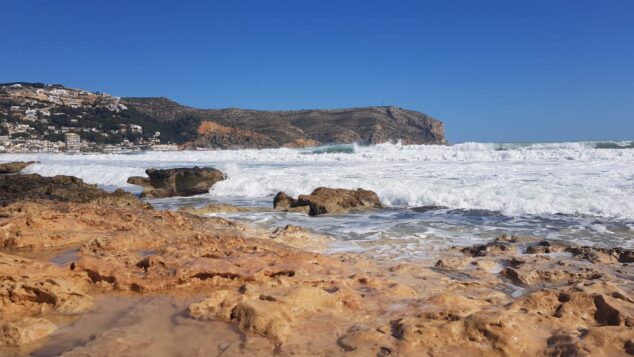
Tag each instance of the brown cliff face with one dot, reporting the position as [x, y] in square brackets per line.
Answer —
[242, 128]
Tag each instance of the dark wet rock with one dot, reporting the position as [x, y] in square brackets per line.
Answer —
[502, 245]
[14, 167]
[591, 254]
[177, 182]
[483, 250]
[283, 201]
[613, 311]
[330, 200]
[597, 254]
[60, 188]
[531, 277]
[547, 247]
[564, 345]
[423, 209]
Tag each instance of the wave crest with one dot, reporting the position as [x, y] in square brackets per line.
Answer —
[581, 178]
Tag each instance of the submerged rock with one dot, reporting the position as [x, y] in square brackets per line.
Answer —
[299, 237]
[330, 200]
[217, 208]
[177, 182]
[14, 167]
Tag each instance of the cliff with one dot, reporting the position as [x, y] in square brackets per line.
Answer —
[257, 128]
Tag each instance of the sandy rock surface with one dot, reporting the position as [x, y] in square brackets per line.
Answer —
[86, 279]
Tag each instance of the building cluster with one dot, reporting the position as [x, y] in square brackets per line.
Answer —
[30, 121]
[46, 96]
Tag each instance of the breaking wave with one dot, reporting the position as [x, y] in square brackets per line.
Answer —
[576, 178]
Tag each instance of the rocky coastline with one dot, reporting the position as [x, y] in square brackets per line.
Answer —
[84, 272]
[37, 117]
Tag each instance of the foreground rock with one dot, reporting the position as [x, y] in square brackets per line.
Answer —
[301, 238]
[25, 331]
[60, 188]
[14, 167]
[177, 182]
[208, 286]
[329, 200]
[218, 208]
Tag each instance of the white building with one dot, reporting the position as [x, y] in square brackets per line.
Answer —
[136, 129]
[165, 147]
[73, 142]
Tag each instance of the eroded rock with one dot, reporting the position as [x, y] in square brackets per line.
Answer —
[266, 298]
[301, 238]
[330, 200]
[18, 187]
[14, 167]
[177, 182]
[30, 287]
[25, 331]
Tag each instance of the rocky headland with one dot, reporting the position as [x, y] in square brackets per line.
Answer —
[51, 110]
[94, 274]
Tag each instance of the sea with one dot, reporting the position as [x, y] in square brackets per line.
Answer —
[436, 196]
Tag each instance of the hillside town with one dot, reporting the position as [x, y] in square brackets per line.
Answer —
[52, 118]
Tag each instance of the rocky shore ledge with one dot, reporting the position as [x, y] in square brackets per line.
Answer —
[89, 273]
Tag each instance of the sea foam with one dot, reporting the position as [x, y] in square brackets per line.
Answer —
[576, 178]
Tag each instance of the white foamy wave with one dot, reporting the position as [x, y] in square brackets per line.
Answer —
[516, 179]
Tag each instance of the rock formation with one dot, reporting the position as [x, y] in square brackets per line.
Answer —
[177, 182]
[59, 188]
[300, 238]
[329, 200]
[372, 125]
[217, 208]
[233, 127]
[14, 167]
[147, 282]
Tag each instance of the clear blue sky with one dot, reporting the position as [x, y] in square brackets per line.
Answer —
[491, 70]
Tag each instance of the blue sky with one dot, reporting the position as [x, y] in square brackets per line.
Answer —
[491, 70]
